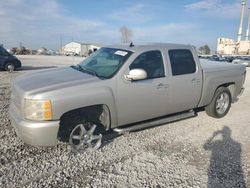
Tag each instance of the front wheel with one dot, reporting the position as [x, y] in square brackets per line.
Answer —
[220, 104]
[84, 136]
[9, 67]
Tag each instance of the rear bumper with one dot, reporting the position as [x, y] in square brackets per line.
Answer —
[237, 97]
[43, 133]
[241, 91]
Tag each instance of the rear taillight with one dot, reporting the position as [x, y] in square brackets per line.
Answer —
[244, 77]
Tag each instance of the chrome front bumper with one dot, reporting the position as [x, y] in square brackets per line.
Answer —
[41, 133]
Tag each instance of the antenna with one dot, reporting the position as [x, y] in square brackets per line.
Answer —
[131, 44]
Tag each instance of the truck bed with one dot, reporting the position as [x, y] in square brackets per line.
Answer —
[217, 74]
[211, 66]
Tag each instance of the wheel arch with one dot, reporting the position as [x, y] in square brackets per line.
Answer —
[98, 114]
[231, 87]
[208, 96]
[98, 111]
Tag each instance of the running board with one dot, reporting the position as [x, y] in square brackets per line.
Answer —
[156, 122]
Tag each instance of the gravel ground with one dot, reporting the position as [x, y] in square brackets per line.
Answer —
[196, 152]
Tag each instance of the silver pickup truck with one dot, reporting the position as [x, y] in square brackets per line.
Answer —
[120, 88]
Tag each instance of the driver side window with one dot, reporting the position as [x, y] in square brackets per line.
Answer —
[151, 62]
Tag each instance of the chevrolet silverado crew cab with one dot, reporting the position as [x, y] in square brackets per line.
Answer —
[8, 62]
[123, 88]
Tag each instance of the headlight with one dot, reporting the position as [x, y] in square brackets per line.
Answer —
[37, 109]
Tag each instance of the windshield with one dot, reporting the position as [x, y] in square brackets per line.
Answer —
[105, 62]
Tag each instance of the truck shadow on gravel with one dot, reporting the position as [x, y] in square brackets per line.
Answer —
[225, 168]
[109, 137]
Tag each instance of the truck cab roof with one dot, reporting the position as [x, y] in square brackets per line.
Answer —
[150, 46]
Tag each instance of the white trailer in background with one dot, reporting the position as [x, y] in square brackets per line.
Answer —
[81, 49]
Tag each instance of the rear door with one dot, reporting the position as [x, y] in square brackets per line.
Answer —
[186, 80]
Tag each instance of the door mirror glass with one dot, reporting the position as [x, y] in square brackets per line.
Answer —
[136, 74]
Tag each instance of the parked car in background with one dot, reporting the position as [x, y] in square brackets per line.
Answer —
[229, 59]
[8, 62]
[217, 58]
[71, 54]
[242, 60]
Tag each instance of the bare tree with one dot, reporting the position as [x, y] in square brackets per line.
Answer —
[126, 34]
[205, 50]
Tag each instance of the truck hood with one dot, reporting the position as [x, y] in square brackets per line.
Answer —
[41, 81]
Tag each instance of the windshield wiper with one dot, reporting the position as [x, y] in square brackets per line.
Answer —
[89, 71]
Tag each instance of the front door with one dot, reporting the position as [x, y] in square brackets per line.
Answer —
[144, 99]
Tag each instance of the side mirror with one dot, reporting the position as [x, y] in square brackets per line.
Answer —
[136, 74]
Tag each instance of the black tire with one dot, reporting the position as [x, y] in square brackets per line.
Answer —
[69, 121]
[219, 109]
[9, 66]
[80, 133]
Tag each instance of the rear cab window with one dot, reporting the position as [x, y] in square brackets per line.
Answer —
[182, 62]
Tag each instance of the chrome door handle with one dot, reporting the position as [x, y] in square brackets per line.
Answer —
[196, 81]
[161, 85]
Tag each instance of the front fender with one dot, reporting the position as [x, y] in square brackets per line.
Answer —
[83, 98]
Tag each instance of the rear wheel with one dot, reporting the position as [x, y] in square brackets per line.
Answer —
[9, 66]
[220, 104]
